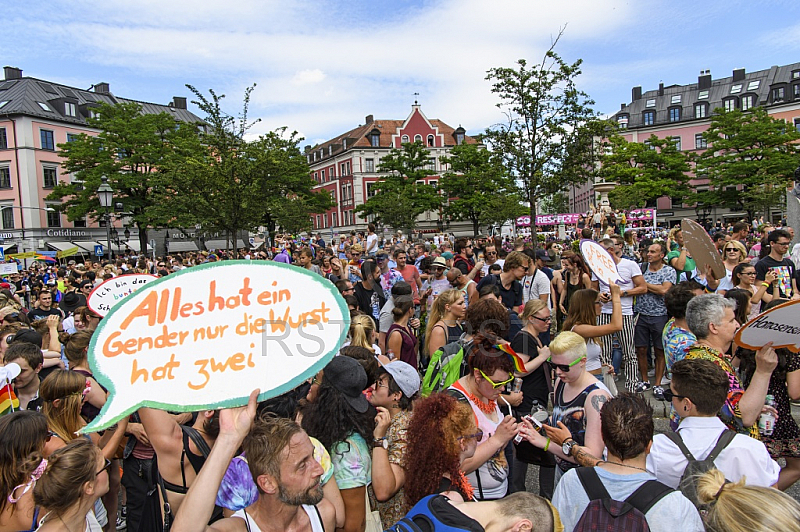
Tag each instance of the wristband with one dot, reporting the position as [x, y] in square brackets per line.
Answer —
[765, 285]
[547, 445]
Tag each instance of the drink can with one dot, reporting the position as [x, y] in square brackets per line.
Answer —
[517, 386]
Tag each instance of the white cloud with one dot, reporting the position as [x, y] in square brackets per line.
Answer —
[308, 77]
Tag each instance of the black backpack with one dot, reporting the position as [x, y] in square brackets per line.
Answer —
[606, 514]
[695, 468]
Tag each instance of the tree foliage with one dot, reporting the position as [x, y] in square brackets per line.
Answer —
[645, 171]
[749, 149]
[544, 111]
[398, 198]
[479, 188]
[136, 152]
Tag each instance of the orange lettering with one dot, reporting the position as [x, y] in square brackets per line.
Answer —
[146, 308]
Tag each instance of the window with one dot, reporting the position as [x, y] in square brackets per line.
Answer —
[622, 121]
[748, 101]
[404, 139]
[375, 140]
[5, 177]
[45, 107]
[736, 89]
[53, 218]
[459, 139]
[335, 220]
[8, 216]
[48, 140]
[676, 202]
[729, 104]
[650, 103]
[648, 145]
[3, 139]
[796, 90]
[796, 74]
[675, 99]
[50, 174]
[677, 142]
[797, 124]
[369, 165]
[431, 165]
[753, 85]
[316, 177]
[70, 109]
[699, 110]
[322, 175]
[649, 118]
[430, 141]
[702, 95]
[80, 222]
[674, 114]
[700, 142]
[370, 190]
[343, 168]
[778, 93]
[77, 182]
[417, 138]
[330, 150]
[72, 137]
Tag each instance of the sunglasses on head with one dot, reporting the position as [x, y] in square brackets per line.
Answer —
[496, 385]
[564, 367]
[478, 436]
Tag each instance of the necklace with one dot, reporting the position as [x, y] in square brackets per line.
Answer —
[626, 465]
[487, 408]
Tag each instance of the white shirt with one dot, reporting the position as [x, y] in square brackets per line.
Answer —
[743, 457]
[372, 243]
[485, 269]
[534, 286]
[627, 271]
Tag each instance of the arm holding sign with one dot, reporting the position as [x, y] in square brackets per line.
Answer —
[752, 400]
[197, 506]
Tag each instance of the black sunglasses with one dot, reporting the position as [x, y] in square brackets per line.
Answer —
[669, 395]
[105, 467]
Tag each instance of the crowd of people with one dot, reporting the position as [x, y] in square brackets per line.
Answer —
[468, 362]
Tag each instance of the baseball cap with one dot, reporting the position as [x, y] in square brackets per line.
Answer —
[348, 376]
[27, 335]
[447, 255]
[87, 282]
[381, 256]
[404, 375]
[439, 261]
[542, 254]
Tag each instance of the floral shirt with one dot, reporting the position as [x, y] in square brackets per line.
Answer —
[677, 341]
[388, 280]
[651, 304]
[729, 413]
[352, 462]
[394, 509]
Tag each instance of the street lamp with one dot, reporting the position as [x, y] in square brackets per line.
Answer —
[106, 197]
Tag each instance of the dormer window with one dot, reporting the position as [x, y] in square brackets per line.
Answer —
[430, 141]
[459, 134]
[375, 138]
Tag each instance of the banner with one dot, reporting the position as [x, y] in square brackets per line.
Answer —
[110, 292]
[779, 325]
[600, 261]
[572, 218]
[8, 268]
[67, 252]
[26, 255]
[205, 337]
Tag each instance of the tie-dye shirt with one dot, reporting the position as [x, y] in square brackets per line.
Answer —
[352, 462]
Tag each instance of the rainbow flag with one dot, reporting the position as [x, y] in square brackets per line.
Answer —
[8, 400]
[519, 365]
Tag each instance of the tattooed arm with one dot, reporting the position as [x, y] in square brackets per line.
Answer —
[593, 440]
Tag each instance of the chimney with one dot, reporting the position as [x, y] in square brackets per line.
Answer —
[622, 106]
[661, 89]
[102, 88]
[12, 72]
[636, 93]
[369, 119]
[738, 74]
[704, 80]
[178, 102]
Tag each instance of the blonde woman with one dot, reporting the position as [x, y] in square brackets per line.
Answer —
[733, 254]
[362, 333]
[444, 321]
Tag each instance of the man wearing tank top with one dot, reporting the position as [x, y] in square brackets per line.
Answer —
[281, 459]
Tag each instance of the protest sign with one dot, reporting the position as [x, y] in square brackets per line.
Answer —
[702, 248]
[779, 325]
[8, 268]
[600, 261]
[110, 292]
[205, 337]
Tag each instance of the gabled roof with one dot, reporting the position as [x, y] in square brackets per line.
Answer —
[27, 96]
[358, 137]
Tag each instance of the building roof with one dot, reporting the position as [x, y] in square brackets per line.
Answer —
[758, 84]
[358, 137]
[44, 99]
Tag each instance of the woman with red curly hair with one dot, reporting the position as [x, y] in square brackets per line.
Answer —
[441, 435]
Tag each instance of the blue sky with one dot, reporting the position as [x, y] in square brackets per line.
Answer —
[322, 66]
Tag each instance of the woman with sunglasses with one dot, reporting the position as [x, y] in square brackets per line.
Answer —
[75, 478]
[22, 438]
[577, 402]
[490, 369]
[442, 434]
[444, 320]
[584, 308]
[744, 278]
[733, 254]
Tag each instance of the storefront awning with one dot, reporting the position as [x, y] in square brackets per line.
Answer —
[61, 246]
[223, 244]
[134, 245]
[86, 246]
[182, 246]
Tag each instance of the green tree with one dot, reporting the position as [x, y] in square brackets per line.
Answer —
[136, 151]
[544, 111]
[645, 171]
[750, 149]
[479, 188]
[398, 198]
[555, 203]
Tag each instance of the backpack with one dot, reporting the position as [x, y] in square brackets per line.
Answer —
[695, 468]
[446, 366]
[604, 513]
[423, 512]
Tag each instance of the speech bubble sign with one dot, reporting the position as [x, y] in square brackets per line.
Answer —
[205, 337]
[779, 325]
[600, 261]
[110, 292]
[702, 247]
